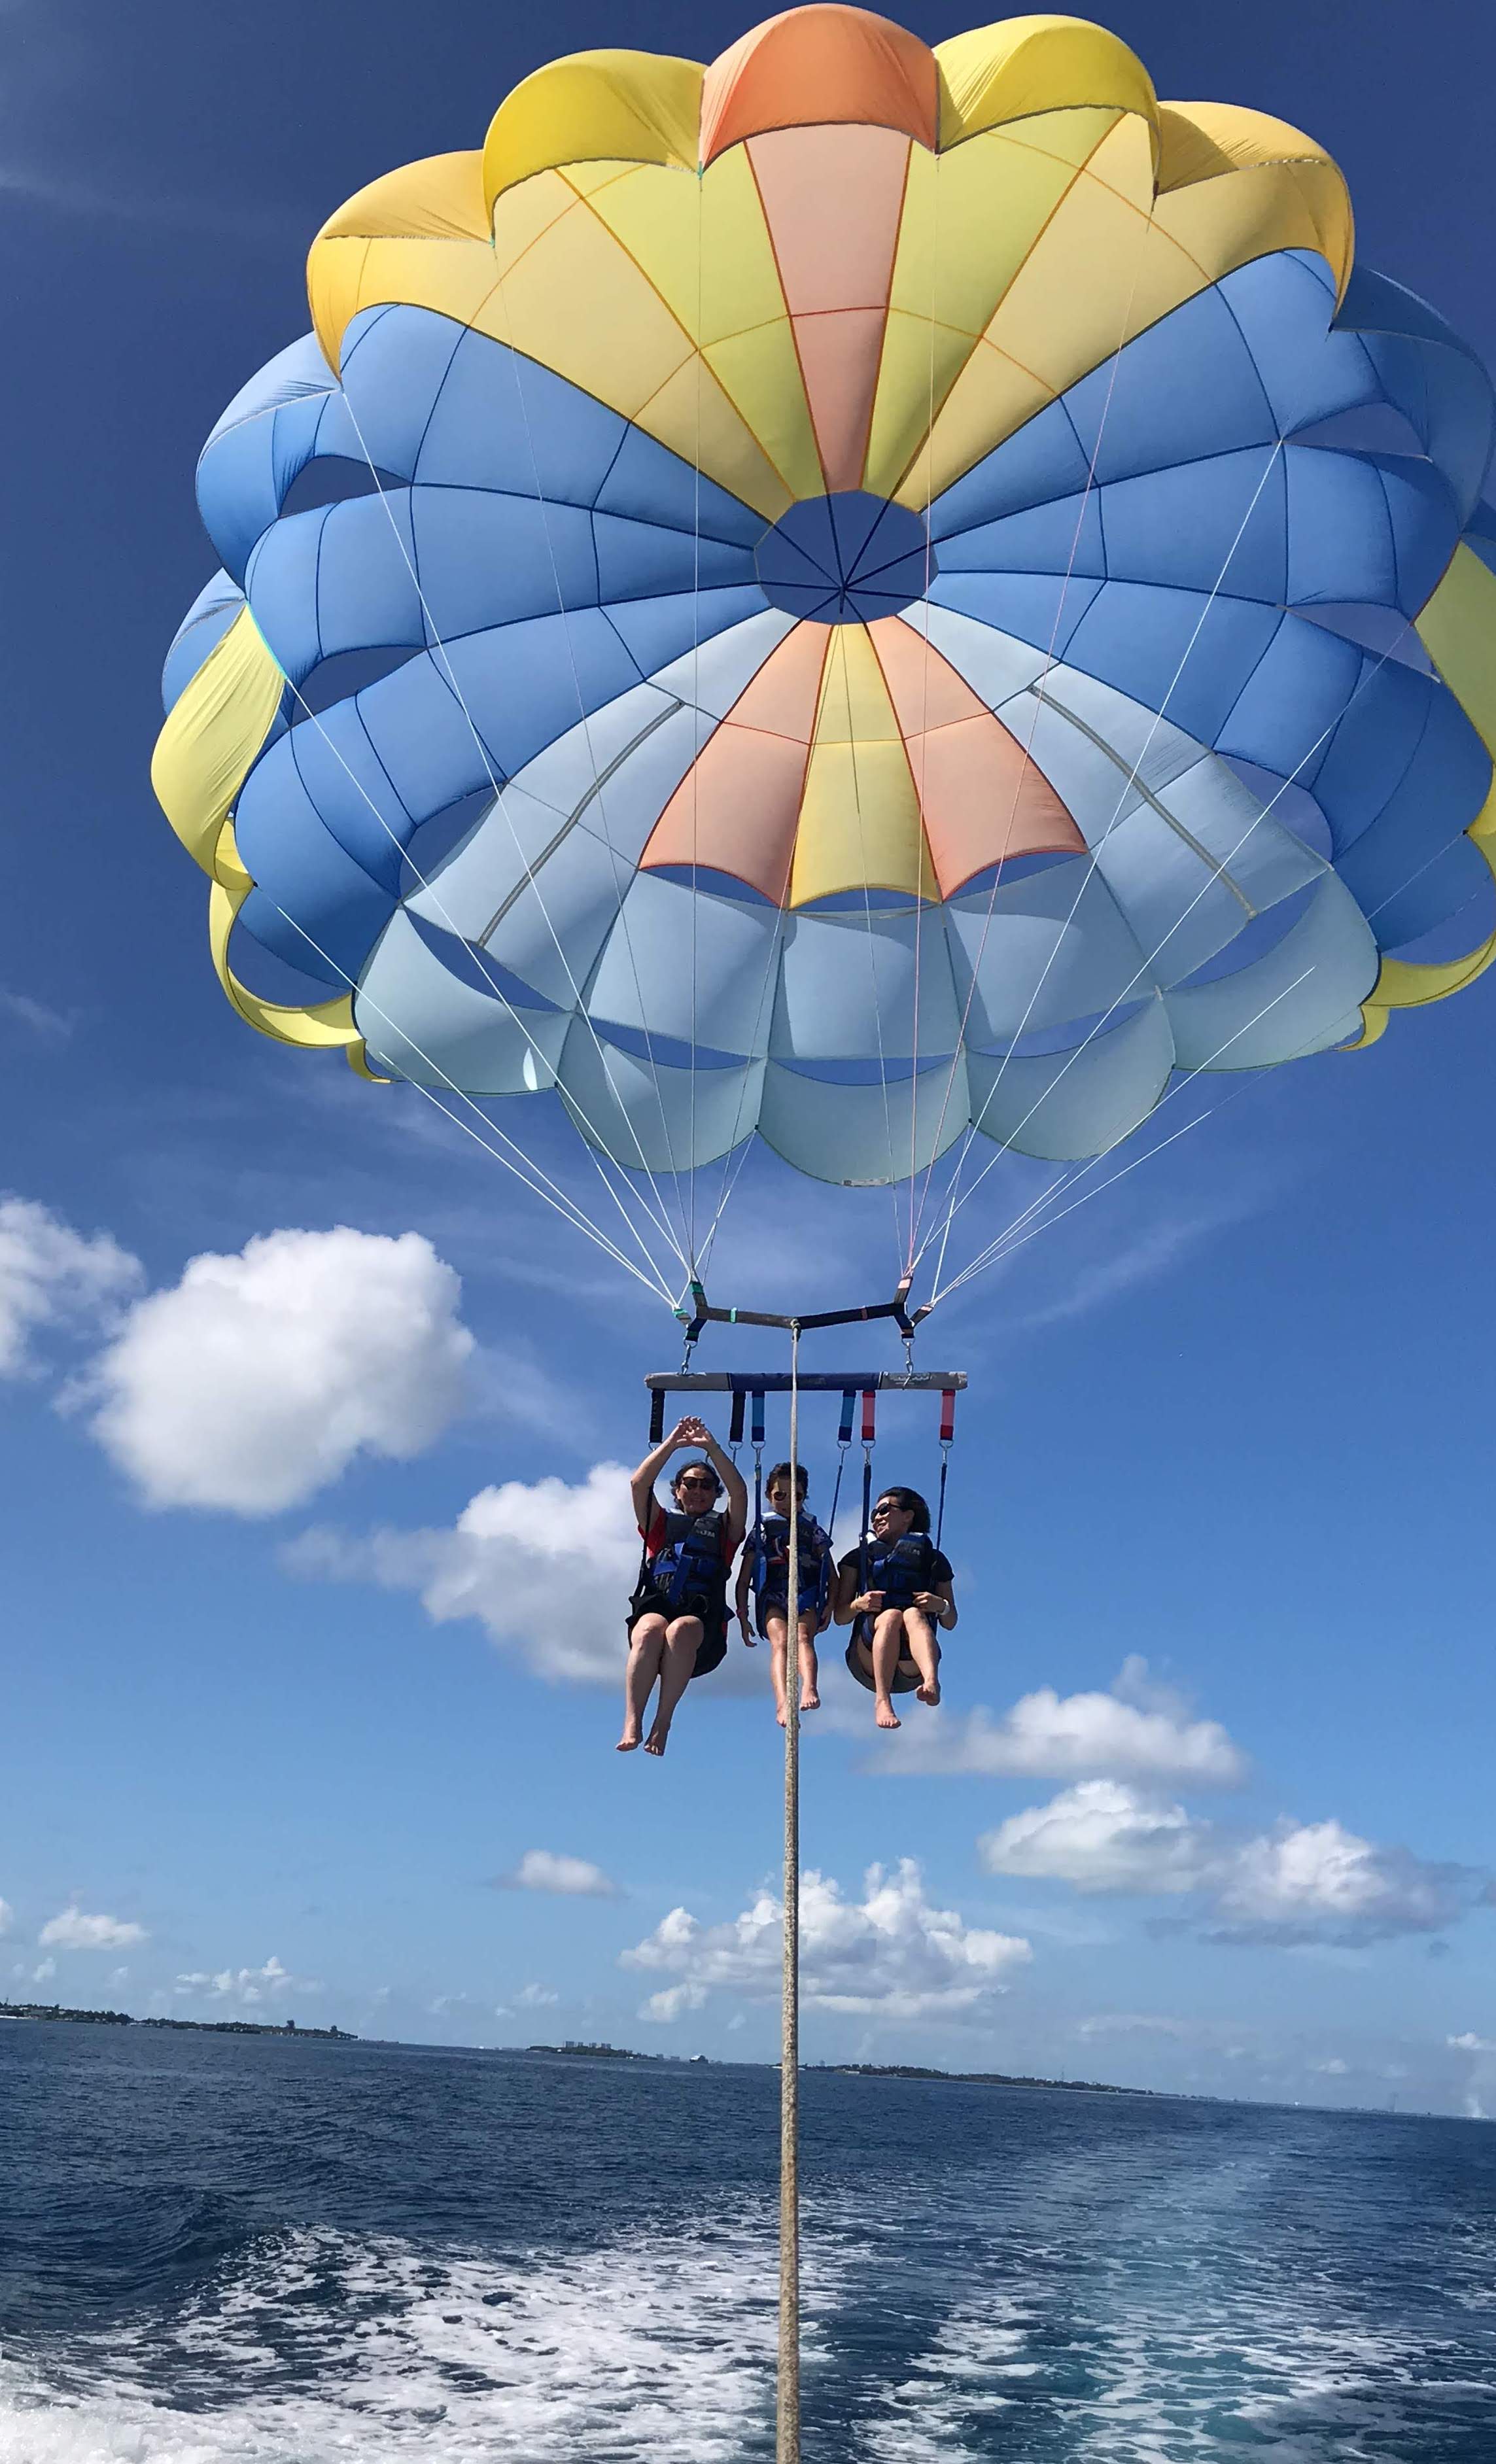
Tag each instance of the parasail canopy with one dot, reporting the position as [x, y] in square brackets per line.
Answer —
[863, 593]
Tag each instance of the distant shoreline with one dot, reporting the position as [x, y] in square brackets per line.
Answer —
[55, 2011]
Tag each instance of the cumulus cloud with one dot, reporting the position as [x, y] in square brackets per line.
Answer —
[74, 1930]
[256, 1379]
[545, 1567]
[245, 1986]
[1136, 2023]
[1470, 2043]
[535, 1997]
[6, 1916]
[1135, 1730]
[44, 1968]
[1298, 1882]
[50, 1275]
[541, 1869]
[890, 1952]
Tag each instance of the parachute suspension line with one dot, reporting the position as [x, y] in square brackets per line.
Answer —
[595, 1151]
[1003, 1244]
[695, 702]
[1037, 693]
[786, 2445]
[872, 946]
[1372, 671]
[527, 1170]
[1087, 875]
[531, 877]
[920, 782]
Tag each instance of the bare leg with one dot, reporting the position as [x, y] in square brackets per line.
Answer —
[925, 1652]
[809, 1673]
[778, 1645]
[645, 1649]
[888, 1644]
[682, 1642]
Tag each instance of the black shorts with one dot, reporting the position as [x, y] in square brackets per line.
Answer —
[906, 1676]
[711, 1649]
[770, 1606]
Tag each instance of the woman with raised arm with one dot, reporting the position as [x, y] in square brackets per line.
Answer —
[677, 1618]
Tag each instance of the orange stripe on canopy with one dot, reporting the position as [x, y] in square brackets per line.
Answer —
[831, 200]
[738, 808]
[981, 797]
[825, 64]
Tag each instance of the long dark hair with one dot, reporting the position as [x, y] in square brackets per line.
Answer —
[909, 1501]
[780, 1471]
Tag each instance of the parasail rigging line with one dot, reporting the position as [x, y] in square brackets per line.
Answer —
[924, 728]
[1089, 868]
[1037, 691]
[532, 877]
[1001, 1245]
[1367, 676]
[872, 946]
[541, 1185]
[596, 1151]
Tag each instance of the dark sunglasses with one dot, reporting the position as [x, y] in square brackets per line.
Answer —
[699, 1480]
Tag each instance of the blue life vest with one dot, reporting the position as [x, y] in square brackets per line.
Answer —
[689, 1566]
[898, 1569]
[771, 1561]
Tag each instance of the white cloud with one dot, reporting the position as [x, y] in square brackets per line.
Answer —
[535, 1997]
[119, 1975]
[1300, 1883]
[45, 1969]
[1332, 2068]
[546, 1567]
[6, 1916]
[1135, 1731]
[50, 1025]
[890, 1952]
[541, 1869]
[255, 1379]
[50, 1275]
[1472, 2043]
[72, 1930]
[245, 1986]
[1101, 1836]
[1135, 2023]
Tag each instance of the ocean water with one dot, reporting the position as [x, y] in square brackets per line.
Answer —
[244, 2251]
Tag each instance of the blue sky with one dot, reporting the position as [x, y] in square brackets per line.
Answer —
[1228, 1421]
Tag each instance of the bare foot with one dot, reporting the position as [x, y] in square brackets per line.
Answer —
[810, 1702]
[629, 1742]
[930, 1694]
[886, 1716]
[782, 1715]
[657, 1739]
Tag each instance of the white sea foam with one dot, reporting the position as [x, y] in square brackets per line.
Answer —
[320, 2348]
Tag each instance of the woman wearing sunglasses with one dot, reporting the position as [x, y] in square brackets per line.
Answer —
[677, 1618]
[895, 1605]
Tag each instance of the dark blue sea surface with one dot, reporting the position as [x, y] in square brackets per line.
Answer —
[250, 2251]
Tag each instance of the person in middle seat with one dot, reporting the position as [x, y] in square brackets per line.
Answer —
[765, 1569]
[908, 1593]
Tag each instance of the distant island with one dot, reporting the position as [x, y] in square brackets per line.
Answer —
[977, 2079]
[206, 2027]
[613, 2053]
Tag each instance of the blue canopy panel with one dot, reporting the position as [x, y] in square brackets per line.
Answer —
[1234, 526]
[535, 554]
